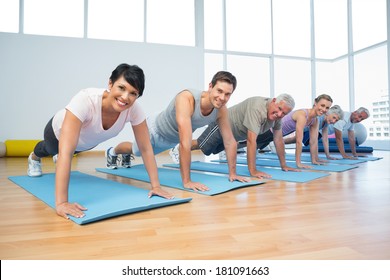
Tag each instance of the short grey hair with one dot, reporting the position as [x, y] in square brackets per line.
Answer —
[336, 109]
[287, 98]
[365, 110]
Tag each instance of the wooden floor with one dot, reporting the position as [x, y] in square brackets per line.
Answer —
[342, 216]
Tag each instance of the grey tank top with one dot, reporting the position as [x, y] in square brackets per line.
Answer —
[166, 124]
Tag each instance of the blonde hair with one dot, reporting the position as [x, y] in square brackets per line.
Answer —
[323, 96]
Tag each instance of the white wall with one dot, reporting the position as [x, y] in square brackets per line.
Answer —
[40, 74]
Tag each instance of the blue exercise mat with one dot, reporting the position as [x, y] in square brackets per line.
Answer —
[171, 178]
[333, 148]
[276, 173]
[340, 158]
[276, 163]
[307, 158]
[361, 158]
[103, 198]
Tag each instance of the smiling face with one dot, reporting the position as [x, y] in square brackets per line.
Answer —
[122, 95]
[277, 110]
[358, 117]
[332, 118]
[220, 93]
[322, 106]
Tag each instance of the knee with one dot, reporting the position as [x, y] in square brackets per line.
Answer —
[205, 151]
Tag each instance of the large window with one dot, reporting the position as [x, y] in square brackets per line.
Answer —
[369, 22]
[153, 21]
[248, 26]
[371, 89]
[9, 16]
[293, 77]
[213, 24]
[291, 26]
[267, 44]
[56, 18]
[301, 60]
[252, 75]
[106, 21]
[331, 28]
[213, 64]
[332, 79]
[171, 22]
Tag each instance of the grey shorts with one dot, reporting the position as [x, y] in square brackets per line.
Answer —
[211, 141]
[159, 144]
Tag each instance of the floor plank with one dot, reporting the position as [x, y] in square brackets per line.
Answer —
[342, 216]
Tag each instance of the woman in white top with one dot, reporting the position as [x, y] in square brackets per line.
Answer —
[93, 116]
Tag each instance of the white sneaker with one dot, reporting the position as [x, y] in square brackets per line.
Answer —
[34, 167]
[272, 147]
[222, 155]
[175, 155]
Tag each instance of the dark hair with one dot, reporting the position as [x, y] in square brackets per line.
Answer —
[132, 74]
[225, 77]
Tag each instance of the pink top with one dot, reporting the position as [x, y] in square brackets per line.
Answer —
[87, 107]
[289, 125]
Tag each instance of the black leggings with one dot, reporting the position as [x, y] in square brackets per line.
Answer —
[49, 146]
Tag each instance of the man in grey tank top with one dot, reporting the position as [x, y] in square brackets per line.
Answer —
[189, 110]
[248, 119]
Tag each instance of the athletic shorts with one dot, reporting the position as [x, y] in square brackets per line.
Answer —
[159, 144]
[211, 141]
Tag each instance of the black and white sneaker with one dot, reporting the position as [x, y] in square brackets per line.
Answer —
[126, 160]
[112, 161]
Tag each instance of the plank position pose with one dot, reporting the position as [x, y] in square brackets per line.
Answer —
[249, 119]
[189, 110]
[348, 124]
[93, 116]
[296, 121]
[334, 114]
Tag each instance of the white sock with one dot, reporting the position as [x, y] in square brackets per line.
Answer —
[112, 152]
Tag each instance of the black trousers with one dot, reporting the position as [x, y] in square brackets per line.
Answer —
[49, 146]
[262, 140]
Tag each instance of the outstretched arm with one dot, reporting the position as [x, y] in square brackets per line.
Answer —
[251, 150]
[352, 142]
[325, 143]
[70, 133]
[184, 110]
[300, 119]
[230, 144]
[313, 130]
[280, 150]
[340, 144]
[141, 134]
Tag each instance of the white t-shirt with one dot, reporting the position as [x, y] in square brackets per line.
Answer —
[87, 107]
[344, 124]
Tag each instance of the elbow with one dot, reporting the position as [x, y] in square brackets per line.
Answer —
[230, 143]
[184, 145]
